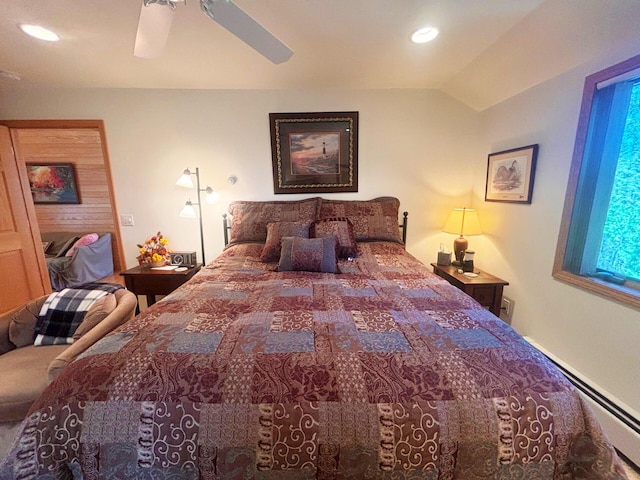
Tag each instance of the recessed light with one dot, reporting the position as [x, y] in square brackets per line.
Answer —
[41, 33]
[424, 35]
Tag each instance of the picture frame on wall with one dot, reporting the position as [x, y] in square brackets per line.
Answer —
[314, 152]
[510, 175]
[53, 183]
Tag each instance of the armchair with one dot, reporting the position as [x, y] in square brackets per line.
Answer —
[87, 263]
[26, 369]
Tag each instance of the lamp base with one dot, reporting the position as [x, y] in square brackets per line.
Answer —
[460, 245]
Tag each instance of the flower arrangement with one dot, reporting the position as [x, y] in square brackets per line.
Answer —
[154, 250]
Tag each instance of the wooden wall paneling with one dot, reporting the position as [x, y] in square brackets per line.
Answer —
[82, 143]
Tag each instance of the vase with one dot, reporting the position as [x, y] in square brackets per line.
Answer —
[161, 263]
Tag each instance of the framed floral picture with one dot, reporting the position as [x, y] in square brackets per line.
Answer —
[510, 175]
[53, 183]
[314, 152]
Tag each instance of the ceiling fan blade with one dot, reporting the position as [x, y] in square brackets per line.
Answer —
[243, 26]
[153, 30]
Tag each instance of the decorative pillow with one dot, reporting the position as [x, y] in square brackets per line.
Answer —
[98, 312]
[59, 247]
[275, 232]
[375, 219]
[308, 254]
[342, 228]
[250, 219]
[87, 239]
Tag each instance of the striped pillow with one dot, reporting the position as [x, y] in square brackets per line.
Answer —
[308, 254]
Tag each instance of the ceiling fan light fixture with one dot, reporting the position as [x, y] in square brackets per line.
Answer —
[156, 17]
[424, 35]
[166, 3]
[39, 32]
[153, 28]
[230, 16]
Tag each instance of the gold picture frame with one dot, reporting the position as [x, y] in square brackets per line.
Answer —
[314, 152]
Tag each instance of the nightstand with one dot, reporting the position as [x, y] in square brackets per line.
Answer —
[146, 281]
[485, 288]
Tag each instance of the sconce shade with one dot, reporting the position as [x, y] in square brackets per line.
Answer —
[185, 179]
[188, 211]
[463, 221]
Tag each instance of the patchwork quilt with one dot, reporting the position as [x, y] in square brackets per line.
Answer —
[383, 371]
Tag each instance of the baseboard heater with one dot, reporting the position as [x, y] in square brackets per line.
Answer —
[620, 422]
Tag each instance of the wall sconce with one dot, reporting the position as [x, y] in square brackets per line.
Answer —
[188, 211]
[462, 221]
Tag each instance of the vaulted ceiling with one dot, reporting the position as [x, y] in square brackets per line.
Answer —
[487, 50]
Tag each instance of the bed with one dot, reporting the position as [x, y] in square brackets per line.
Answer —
[269, 365]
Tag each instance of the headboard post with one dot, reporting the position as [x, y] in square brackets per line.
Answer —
[404, 227]
[225, 229]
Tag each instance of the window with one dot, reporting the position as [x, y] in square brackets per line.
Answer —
[620, 249]
[599, 242]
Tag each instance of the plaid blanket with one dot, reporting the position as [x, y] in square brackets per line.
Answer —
[64, 311]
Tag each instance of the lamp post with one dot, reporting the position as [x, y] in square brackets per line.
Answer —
[188, 211]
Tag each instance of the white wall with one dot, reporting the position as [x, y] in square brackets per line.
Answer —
[598, 337]
[413, 144]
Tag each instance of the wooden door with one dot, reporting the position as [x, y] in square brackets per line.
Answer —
[23, 272]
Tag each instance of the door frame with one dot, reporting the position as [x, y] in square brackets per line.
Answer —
[118, 253]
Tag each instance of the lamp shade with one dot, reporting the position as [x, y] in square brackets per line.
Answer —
[211, 195]
[188, 211]
[185, 179]
[463, 221]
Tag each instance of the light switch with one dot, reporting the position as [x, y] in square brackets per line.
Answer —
[126, 220]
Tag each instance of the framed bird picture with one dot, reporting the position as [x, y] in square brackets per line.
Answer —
[510, 175]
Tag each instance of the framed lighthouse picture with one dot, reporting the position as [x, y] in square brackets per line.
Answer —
[314, 152]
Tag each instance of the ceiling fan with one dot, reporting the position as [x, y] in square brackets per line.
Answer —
[156, 17]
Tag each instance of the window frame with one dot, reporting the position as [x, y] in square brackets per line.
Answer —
[620, 293]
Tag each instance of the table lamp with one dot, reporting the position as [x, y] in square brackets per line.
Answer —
[462, 221]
